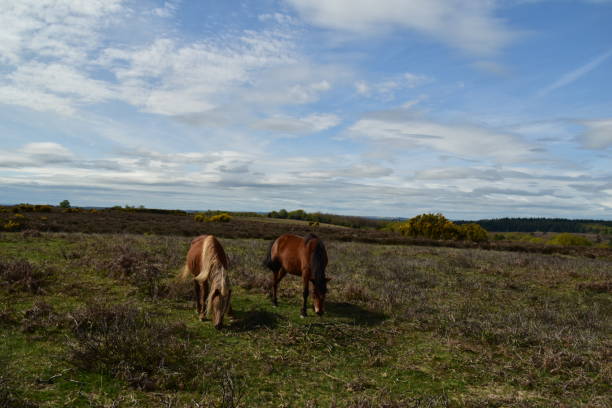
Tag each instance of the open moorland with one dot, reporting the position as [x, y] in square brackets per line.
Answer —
[99, 320]
[180, 223]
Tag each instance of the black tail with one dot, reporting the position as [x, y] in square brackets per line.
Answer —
[318, 262]
[268, 262]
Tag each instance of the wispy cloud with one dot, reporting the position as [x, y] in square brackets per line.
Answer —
[394, 130]
[291, 127]
[598, 134]
[576, 74]
[472, 28]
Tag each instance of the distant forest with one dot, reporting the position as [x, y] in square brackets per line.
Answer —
[544, 225]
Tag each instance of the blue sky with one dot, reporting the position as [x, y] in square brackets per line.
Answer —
[476, 109]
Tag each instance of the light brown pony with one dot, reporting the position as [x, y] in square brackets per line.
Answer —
[305, 257]
[208, 264]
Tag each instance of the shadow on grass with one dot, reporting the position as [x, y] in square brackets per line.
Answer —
[359, 315]
[253, 320]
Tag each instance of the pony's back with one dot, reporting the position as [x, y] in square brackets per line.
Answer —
[205, 253]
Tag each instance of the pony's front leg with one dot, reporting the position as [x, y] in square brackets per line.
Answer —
[196, 285]
[203, 297]
[274, 289]
[305, 294]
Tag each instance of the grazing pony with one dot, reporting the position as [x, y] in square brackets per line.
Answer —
[207, 262]
[305, 257]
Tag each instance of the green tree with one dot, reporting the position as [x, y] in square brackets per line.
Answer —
[64, 204]
[437, 226]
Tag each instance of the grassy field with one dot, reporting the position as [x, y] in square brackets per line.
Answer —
[98, 320]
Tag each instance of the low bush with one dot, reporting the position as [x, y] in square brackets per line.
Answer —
[223, 217]
[567, 239]
[21, 275]
[134, 346]
[41, 316]
[10, 394]
[11, 225]
[73, 210]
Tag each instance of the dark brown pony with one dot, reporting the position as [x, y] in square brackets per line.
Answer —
[305, 257]
[208, 264]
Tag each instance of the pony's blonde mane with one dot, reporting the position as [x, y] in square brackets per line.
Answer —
[213, 270]
[218, 280]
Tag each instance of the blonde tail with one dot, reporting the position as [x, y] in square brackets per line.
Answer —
[185, 273]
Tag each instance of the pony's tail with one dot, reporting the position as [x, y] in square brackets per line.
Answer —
[318, 262]
[185, 273]
[273, 265]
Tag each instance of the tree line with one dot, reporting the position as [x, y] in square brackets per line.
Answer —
[543, 225]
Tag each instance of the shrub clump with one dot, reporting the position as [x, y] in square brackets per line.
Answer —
[41, 316]
[73, 210]
[12, 225]
[567, 239]
[11, 396]
[437, 226]
[137, 268]
[21, 275]
[223, 217]
[131, 345]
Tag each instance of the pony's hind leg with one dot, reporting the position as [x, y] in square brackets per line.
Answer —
[277, 277]
[305, 282]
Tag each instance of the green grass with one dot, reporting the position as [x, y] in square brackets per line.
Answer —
[404, 326]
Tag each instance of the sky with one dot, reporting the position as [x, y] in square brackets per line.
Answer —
[471, 108]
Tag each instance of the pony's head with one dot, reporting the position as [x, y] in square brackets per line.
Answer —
[318, 295]
[219, 299]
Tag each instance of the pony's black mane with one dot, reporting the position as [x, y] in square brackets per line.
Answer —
[318, 262]
[309, 237]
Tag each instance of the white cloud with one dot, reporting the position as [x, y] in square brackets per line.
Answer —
[280, 18]
[63, 30]
[291, 126]
[492, 67]
[471, 26]
[38, 154]
[413, 80]
[362, 87]
[35, 99]
[598, 134]
[387, 88]
[52, 87]
[358, 171]
[54, 49]
[395, 130]
[168, 10]
[192, 78]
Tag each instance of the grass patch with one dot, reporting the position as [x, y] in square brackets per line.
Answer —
[405, 326]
